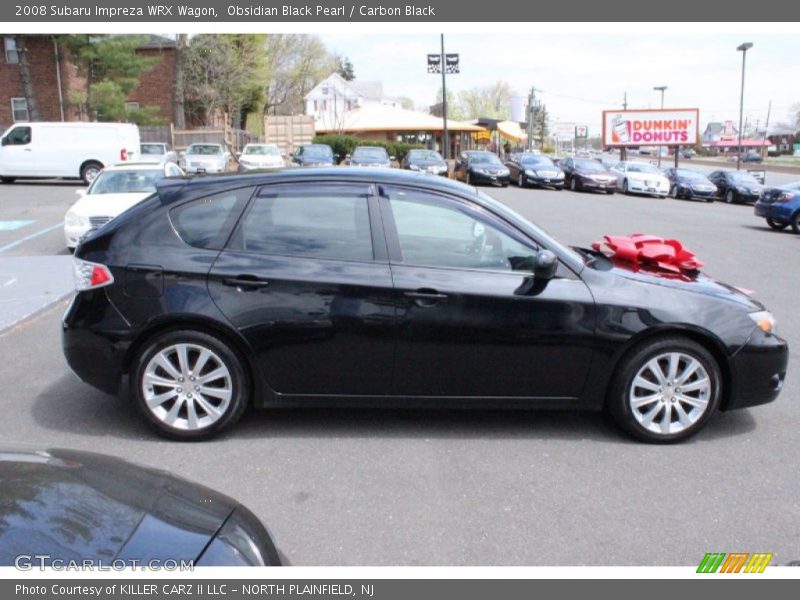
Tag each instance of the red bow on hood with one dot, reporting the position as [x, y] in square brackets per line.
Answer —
[649, 250]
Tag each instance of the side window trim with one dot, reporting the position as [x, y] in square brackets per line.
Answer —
[393, 239]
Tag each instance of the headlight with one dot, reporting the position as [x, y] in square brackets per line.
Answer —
[482, 171]
[73, 219]
[503, 172]
[764, 320]
[443, 169]
[742, 190]
[413, 167]
[530, 172]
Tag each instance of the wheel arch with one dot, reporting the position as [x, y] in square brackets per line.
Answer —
[696, 334]
[203, 325]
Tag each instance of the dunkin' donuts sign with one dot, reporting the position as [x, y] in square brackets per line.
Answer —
[668, 127]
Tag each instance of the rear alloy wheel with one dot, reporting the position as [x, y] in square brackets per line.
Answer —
[90, 171]
[665, 391]
[729, 197]
[190, 385]
[778, 225]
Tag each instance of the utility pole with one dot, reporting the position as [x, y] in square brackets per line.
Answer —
[445, 136]
[743, 48]
[544, 117]
[766, 127]
[623, 151]
[531, 104]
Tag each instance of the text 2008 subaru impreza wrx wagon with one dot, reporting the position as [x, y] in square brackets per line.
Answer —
[377, 287]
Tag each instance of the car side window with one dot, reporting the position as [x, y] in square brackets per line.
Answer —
[435, 232]
[330, 223]
[19, 136]
[207, 222]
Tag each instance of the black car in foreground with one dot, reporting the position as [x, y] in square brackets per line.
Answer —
[378, 287]
[736, 186]
[690, 184]
[314, 155]
[526, 168]
[587, 174]
[59, 507]
[478, 166]
[428, 161]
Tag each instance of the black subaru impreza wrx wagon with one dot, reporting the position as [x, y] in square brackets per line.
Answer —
[382, 287]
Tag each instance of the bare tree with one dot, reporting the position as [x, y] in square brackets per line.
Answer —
[26, 80]
[178, 94]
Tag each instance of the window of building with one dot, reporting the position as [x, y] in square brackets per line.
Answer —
[19, 109]
[131, 106]
[316, 106]
[10, 44]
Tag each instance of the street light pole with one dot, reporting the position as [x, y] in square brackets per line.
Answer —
[660, 88]
[743, 48]
[445, 136]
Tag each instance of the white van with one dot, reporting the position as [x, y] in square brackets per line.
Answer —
[71, 150]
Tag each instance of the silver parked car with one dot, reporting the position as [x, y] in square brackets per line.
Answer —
[158, 152]
[205, 158]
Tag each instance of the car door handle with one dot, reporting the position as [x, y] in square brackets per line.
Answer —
[246, 282]
[425, 297]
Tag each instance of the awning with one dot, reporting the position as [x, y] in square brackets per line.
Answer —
[379, 117]
[511, 130]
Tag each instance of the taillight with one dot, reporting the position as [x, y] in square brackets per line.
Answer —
[89, 275]
[123, 154]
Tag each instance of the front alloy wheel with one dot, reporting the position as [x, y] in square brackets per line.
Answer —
[666, 391]
[190, 385]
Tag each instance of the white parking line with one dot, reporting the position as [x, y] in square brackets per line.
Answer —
[30, 237]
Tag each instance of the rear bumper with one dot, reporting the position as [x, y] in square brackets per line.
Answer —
[758, 370]
[95, 339]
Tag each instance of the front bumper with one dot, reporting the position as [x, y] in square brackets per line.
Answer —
[779, 211]
[654, 188]
[556, 182]
[594, 184]
[205, 169]
[74, 233]
[476, 177]
[690, 192]
[757, 371]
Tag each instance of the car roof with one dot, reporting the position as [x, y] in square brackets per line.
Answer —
[137, 166]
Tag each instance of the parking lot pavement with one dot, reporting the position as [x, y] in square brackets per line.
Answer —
[29, 284]
[349, 487]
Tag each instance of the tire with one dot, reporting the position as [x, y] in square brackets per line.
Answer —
[625, 187]
[777, 225]
[8, 179]
[89, 171]
[647, 371]
[520, 181]
[466, 178]
[610, 192]
[228, 392]
[796, 222]
[673, 192]
[573, 185]
[729, 197]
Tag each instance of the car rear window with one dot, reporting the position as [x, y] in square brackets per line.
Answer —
[330, 223]
[207, 222]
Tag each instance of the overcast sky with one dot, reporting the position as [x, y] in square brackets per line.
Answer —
[581, 74]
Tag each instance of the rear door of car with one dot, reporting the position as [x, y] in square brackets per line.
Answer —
[473, 323]
[306, 280]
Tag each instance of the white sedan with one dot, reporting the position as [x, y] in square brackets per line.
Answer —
[640, 178]
[112, 192]
[260, 156]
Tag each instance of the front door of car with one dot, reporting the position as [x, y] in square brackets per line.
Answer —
[306, 283]
[19, 155]
[473, 322]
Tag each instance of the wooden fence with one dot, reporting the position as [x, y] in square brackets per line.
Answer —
[179, 139]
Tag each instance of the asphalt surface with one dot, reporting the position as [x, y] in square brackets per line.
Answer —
[359, 487]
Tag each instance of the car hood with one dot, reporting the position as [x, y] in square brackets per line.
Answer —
[74, 505]
[370, 163]
[699, 282]
[642, 176]
[107, 205]
[254, 159]
[604, 174]
[205, 159]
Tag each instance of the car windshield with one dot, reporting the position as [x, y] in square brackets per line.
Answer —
[261, 150]
[153, 149]
[208, 149]
[743, 178]
[589, 165]
[693, 175]
[126, 181]
[376, 154]
[642, 168]
[319, 152]
[425, 156]
[484, 158]
[536, 159]
[792, 187]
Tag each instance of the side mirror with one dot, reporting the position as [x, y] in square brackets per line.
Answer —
[545, 265]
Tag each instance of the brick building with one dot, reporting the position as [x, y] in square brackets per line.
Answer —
[53, 77]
